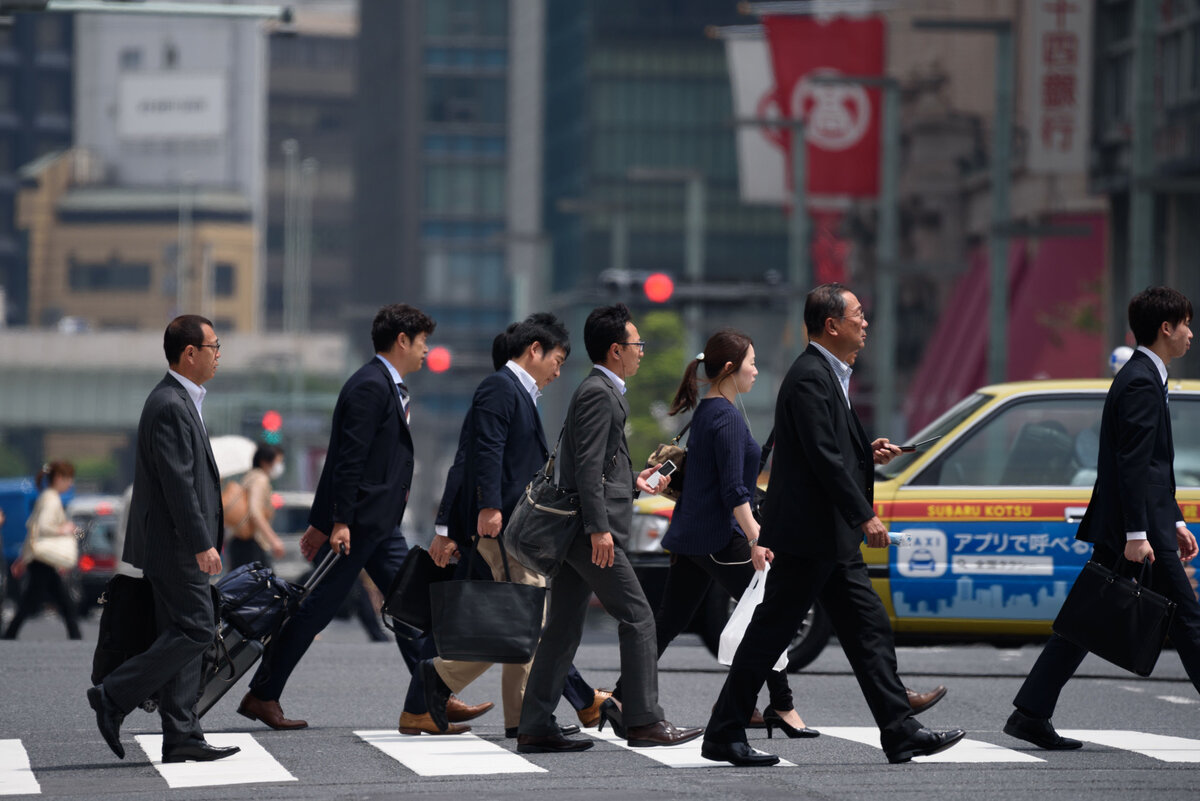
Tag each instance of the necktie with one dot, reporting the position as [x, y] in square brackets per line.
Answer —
[403, 392]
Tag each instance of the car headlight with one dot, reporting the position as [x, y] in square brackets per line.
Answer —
[647, 531]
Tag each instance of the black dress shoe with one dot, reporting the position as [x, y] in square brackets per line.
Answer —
[923, 743]
[1038, 731]
[739, 754]
[565, 731]
[108, 719]
[197, 751]
[554, 744]
[437, 694]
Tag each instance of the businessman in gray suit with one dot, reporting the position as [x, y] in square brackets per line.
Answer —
[174, 536]
[594, 459]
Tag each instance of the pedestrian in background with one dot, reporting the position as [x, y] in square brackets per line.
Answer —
[50, 551]
[254, 539]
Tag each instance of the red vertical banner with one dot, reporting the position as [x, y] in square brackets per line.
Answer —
[841, 121]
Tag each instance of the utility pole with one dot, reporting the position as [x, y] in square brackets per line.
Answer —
[1141, 162]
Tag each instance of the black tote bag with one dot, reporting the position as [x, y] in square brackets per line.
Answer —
[1116, 618]
[407, 600]
[544, 522]
[487, 621]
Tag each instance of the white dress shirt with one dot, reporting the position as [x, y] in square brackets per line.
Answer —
[195, 392]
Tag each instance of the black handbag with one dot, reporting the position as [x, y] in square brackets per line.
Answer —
[255, 601]
[760, 494]
[544, 522]
[407, 600]
[487, 621]
[1116, 618]
[677, 454]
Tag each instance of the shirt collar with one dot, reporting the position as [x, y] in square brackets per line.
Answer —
[840, 369]
[526, 380]
[616, 379]
[194, 390]
[1162, 368]
[391, 368]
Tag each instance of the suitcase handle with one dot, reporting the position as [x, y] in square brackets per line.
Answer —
[319, 574]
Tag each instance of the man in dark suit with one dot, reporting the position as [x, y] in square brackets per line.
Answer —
[174, 535]
[504, 446]
[594, 459]
[817, 510]
[363, 491]
[1132, 512]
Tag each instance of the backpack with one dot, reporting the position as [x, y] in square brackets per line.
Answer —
[235, 502]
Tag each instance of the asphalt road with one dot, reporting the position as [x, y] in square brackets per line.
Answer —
[351, 691]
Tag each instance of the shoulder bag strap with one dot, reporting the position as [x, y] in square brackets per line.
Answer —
[682, 431]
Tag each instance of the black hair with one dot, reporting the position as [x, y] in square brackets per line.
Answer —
[187, 329]
[501, 347]
[604, 326]
[266, 454]
[823, 302]
[396, 319]
[726, 346]
[1152, 307]
[543, 328]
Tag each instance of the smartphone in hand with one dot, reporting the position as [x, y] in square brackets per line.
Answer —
[664, 469]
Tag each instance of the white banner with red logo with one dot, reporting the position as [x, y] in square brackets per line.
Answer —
[841, 121]
[762, 160]
[1059, 90]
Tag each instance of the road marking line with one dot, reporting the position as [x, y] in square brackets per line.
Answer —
[16, 776]
[1132, 689]
[1177, 699]
[1156, 746]
[457, 755]
[252, 765]
[673, 756]
[965, 751]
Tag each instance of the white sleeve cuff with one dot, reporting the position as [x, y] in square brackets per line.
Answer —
[1134, 535]
[1180, 524]
[441, 531]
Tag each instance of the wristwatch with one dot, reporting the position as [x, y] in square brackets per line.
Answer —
[753, 542]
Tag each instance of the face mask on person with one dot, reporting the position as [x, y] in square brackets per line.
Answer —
[277, 469]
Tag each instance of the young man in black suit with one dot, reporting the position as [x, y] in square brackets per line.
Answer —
[817, 510]
[174, 535]
[1132, 512]
[360, 498]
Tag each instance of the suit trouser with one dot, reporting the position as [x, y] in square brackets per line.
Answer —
[171, 667]
[1060, 658]
[862, 628]
[457, 674]
[621, 595]
[688, 581]
[381, 559]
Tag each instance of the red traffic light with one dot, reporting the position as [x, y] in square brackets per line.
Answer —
[438, 359]
[272, 421]
[658, 287]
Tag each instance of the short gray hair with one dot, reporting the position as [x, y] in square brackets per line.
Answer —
[825, 301]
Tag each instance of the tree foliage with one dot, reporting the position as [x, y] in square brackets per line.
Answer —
[651, 390]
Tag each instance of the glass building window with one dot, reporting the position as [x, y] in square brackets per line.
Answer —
[51, 32]
[465, 100]
[464, 189]
[130, 58]
[53, 96]
[113, 275]
[224, 279]
[464, 276]
[466, 17]
[7, 97]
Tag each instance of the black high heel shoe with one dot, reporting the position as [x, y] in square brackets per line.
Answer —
[773, 721]
[610, 712]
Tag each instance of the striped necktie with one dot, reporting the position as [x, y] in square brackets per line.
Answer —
[403, 392]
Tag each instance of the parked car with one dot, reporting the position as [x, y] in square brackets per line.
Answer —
[96, 517]
[990, 506]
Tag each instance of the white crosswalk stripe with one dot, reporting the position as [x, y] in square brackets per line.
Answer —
[1156, 746]
[16, 777]
[673, 756]
[252, 765]
[457, 755]
[965, 751]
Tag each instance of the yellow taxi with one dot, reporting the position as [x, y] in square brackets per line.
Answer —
[989, 503]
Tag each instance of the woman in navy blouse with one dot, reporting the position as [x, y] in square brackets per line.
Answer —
[713, 535]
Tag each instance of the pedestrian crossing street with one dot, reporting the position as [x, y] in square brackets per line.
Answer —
[469, 755]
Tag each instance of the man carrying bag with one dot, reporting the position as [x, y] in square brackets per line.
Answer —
[1132, 512]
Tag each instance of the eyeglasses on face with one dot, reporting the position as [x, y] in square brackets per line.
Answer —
[215, 346]
[641, 346]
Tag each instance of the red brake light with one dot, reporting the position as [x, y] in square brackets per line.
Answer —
[104, 508]
[86, 563]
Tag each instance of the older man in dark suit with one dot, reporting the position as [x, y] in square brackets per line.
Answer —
[594, 458]
[1132, 512]
[817, 510]
[174, 536]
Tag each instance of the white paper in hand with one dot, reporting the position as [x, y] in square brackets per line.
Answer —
[735, 629]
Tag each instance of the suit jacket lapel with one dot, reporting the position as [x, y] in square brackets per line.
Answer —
[191, 407]
[857, 434]
[387, 380]
[531, 406]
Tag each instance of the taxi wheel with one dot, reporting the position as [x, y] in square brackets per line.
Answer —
[811, 638]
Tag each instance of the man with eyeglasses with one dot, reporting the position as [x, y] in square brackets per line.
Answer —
[174, 535]
[594, 458]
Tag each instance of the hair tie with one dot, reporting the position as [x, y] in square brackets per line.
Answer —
[700, 356]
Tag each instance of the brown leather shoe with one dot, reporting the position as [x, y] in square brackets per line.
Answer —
[661, 733]
[269, 712]
[590, 716]
[423, 724]
[922, 701]
[459, 712]
[756, 720]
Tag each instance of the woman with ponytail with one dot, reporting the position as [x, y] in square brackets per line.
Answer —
[50, 550]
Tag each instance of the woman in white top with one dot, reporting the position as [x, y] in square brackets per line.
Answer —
[50, 551]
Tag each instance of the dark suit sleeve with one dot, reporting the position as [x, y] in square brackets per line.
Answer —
[494, 407]
[808, 406]
[365, 406]
[175, 461]
[593, 417]
[1138, 411]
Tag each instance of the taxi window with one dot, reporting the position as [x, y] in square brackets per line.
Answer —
[1030, 442]
[1185, 428]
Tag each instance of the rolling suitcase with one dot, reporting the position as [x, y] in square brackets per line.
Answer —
[250, 615]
